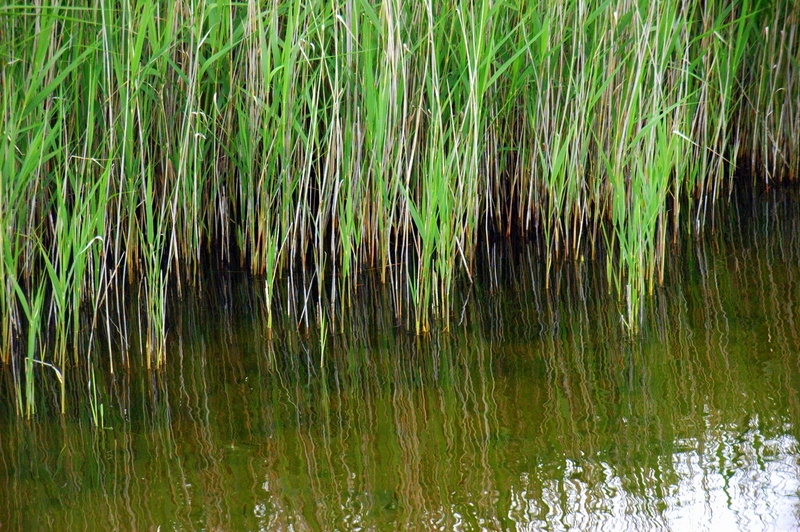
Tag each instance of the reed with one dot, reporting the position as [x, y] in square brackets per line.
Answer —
[316, 141]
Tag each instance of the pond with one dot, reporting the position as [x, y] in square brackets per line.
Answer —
[534, 411]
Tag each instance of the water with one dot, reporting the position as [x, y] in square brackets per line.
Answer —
[534, 412]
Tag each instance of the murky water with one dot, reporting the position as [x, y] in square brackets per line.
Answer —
[534, 412]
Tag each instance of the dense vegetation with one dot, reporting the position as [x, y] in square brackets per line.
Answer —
[141, 139]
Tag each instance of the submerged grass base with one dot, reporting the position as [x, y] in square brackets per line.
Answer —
[319, 139]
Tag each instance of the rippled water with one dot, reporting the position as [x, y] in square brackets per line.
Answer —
[534, 412]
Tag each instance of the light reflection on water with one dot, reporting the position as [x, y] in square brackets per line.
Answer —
[734, 481]
[535, 413]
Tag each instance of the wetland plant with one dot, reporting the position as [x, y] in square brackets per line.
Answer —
[320, 140]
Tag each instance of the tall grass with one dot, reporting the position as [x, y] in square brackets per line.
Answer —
[316, 140]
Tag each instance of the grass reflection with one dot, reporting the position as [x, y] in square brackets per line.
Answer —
[537, 411]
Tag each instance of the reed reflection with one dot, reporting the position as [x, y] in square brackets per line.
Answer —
[536, 411]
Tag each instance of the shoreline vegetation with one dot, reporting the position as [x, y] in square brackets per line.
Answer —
[142, 140]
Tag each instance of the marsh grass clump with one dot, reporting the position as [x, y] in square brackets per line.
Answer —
[317, 140]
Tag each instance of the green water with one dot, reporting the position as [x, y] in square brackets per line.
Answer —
[534, 412]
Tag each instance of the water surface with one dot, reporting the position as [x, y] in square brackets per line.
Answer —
[533, 412]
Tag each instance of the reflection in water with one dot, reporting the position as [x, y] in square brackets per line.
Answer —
[535, 412]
